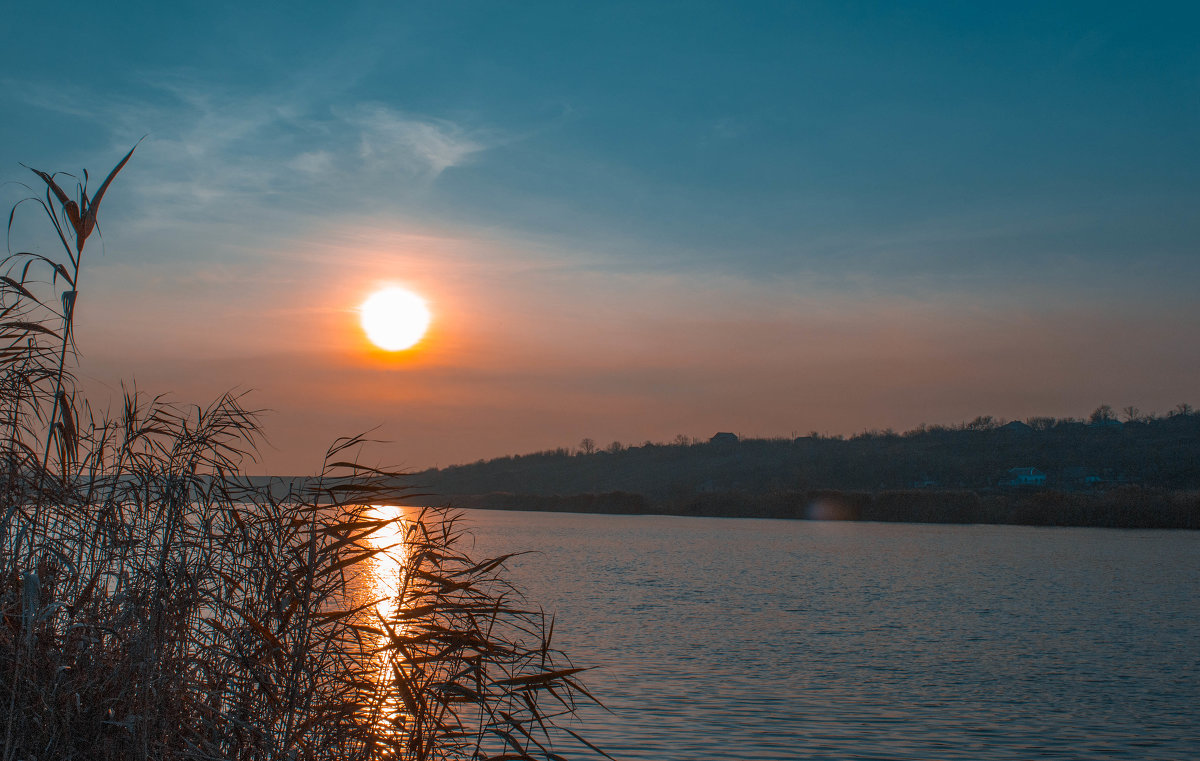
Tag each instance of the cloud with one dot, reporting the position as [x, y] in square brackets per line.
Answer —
[313, 162]
[423, 146]
[220, 153]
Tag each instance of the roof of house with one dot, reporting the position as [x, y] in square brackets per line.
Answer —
[1025, 472]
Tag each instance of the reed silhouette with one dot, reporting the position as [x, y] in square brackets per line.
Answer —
[157, 604]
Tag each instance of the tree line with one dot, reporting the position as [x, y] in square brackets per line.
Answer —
[1107, 451]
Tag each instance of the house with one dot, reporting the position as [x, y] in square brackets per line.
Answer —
[723, 437]
[1016, 426]
[1025, 477]
[1079, 477]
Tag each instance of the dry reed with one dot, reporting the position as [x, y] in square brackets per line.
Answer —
[156, 604]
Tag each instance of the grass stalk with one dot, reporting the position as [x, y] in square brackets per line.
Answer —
[155, 603]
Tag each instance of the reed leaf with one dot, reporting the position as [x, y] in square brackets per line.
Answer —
[157, 604]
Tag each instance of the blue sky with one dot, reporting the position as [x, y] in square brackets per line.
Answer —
[637, 219]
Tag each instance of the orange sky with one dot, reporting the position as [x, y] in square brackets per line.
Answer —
[526, 353]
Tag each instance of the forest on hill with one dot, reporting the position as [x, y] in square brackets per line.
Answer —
[981, 471]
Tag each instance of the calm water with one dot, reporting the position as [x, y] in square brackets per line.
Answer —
[752, 639]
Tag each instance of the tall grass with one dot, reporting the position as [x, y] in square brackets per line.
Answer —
[157, 604]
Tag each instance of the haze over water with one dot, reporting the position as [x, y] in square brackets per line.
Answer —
[766, 640]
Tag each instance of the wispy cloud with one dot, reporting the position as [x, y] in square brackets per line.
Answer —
[313, 162]
[422, 146]
[215, 151]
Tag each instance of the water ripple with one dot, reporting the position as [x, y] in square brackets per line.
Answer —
[773, 640]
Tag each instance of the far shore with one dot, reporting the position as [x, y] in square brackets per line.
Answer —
[1124, 507]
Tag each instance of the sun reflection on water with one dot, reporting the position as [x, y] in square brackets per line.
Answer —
[385, 577]
[387, 567]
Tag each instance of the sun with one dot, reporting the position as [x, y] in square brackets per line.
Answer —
[394, 319]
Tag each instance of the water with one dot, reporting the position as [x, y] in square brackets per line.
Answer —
[753, 639]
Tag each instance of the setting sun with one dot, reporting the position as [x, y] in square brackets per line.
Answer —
[394, 318]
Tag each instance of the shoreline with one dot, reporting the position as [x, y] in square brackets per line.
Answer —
[1125, 507]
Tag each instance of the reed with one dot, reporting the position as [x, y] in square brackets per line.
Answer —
[157, 604]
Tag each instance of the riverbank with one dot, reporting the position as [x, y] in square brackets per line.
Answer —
[1123, 507]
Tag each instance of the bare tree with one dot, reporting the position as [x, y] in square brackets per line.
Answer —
[587, 446]
[981, 423]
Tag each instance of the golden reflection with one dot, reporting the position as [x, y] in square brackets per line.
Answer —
[387, 567]
[385, 578]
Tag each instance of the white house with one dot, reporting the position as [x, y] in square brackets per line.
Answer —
[1025, 477]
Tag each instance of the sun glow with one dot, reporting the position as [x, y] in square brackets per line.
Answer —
[394, 319]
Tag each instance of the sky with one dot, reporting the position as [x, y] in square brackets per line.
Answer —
[630, 220]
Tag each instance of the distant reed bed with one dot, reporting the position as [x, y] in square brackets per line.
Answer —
[156, 604]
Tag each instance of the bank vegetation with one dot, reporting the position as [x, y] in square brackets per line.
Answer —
[156, 604]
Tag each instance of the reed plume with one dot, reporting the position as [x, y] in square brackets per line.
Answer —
[155, 603]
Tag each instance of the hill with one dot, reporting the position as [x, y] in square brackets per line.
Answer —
[1001, 465]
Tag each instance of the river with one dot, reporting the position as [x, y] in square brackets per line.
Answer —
[771, 640]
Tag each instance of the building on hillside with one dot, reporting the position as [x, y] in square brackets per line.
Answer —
[1017, 426]
[1025, 477]
[724, 437]
[1079, 477]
